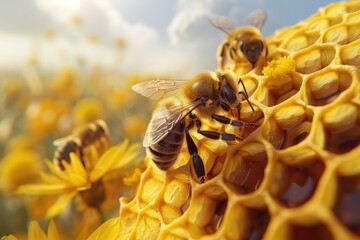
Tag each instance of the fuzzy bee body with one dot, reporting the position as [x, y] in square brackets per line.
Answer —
[93, 134]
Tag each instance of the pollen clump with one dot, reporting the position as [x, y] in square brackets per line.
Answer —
[296, 175]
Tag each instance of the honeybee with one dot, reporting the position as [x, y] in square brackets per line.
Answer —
[92, 134]
[206, 95]
[242, 44]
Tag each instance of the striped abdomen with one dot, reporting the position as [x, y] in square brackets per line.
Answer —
[165, 152]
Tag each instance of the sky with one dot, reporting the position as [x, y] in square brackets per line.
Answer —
[162, 36]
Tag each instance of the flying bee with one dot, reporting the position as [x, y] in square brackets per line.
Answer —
[92, 134]
[242, 44]
[206, 95]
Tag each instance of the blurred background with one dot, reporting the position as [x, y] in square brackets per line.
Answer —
[64, 63]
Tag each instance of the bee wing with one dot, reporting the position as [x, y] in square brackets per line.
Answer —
[158, 88]
[165, 120]
[257, 18]
[223, 23]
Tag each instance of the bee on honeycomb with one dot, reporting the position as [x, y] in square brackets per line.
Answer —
[297, 175]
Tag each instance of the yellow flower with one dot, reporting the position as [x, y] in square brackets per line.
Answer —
[87, 110]
[36, 233]
[87, 181]
[18, 161]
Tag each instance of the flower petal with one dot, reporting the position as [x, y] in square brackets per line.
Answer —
[43, 188]
[53, 233]
[114, 158]
[35, 231]
[9, 237]
[59, 205]
[77, 165]
[108, 230]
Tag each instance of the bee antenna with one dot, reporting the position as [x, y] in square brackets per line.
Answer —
[246, 94]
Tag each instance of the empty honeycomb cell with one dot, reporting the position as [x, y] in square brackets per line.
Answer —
[325, 87]
[293, 185]
[342, 128]
[347, 208]
[350, 54]
[342, 33]
[246, 223]
[301, 40]
[169, 213]
[217, 167]
[273, 133]
[314, 58]
[147, 228]
[293, 123]
[245, 167]
[216, 221]
[318, 231]
[281, 89]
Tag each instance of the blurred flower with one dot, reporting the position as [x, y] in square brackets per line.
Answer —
[76, 20]
[86, 180]
[43, 115]
[17, 161]
[134, 125]
[93, 38]
[87, 110]
[36, 233]
[65, 84]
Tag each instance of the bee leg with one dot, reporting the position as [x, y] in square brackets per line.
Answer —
[226, 120]
[217, 135]
[198, 164]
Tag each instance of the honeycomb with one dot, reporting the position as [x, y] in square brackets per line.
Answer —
[297, 173]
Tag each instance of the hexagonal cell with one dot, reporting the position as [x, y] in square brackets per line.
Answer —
[341, 8]
[289, 126]
[342, 128]
[321, 23]
[208, 209]
[349, 54]
[147, 227]
[293, 185]
[217, 219]
[347, 207]
[342, 33]
[276, 91]
[300, 40]
[317, 231]
[314, 58]
[246, 222]
[245, 167]
[325, 87]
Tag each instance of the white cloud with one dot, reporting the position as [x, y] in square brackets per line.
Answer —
[189, 25]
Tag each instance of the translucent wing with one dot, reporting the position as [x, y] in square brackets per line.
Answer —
[157, 88]
[223, 23]
[257, 18]
[165, 120]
